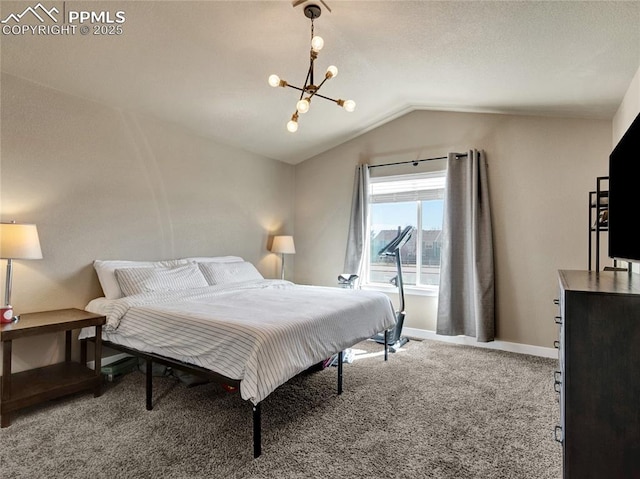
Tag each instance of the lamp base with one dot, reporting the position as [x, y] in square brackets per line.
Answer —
[282, 266]
[6, 314]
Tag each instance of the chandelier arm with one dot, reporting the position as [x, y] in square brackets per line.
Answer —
[313, 94]
[321, 83]
[310, 74]
[309, 80]
[326, 97]
[296, 87]
[315, 91]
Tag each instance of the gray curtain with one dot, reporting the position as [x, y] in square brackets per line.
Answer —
[353, 260]
[466, 302]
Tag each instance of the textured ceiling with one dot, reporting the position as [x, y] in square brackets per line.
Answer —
[205, 65]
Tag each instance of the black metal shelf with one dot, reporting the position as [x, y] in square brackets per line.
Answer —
[598, 217]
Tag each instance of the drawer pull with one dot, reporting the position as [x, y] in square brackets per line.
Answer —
[556, 301]
[556, 344]
[557, 386]
[556, 436]
[557, 376]
[558, 319]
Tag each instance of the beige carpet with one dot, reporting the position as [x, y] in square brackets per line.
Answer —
[434, 410]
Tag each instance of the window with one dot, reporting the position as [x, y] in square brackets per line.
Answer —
[396, 202]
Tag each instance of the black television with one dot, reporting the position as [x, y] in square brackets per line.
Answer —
[624, 196]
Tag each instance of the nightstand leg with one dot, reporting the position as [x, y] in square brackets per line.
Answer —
[5, 419]
[98, 361]
[83, 352]
[67, 346]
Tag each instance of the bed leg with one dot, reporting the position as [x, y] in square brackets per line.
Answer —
[149, 384]
[257, 431]
[340, 354]
[386, 346]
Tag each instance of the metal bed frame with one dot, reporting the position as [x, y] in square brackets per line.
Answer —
[151, 358]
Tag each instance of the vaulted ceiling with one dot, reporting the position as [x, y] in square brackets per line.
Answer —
[204, 65]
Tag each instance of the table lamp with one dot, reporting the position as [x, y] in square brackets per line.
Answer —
[17, 241]
[283, 245]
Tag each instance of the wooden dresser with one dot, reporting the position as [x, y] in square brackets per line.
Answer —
[598, 378]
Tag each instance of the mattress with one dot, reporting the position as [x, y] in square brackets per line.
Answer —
[260, 332]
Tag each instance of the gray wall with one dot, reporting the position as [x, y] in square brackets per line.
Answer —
[102, 183]
[628, 110]
[105, 183]
[540, 172]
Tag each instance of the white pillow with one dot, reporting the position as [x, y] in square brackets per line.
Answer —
[214, 259]
[149, 280]
[106, 270]
[226, 273]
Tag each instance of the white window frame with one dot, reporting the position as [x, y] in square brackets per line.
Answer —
[410, 187]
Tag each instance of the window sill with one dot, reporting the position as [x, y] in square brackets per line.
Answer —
[408, 290]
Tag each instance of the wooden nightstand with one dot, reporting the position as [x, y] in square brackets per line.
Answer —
[34, 386]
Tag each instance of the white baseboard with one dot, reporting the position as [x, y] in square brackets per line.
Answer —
[468, 341]
[108, 360]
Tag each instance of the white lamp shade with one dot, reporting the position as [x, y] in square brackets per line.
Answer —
[19, 241]
[283, 244]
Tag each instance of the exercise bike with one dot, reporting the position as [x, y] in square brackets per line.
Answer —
[395, 340]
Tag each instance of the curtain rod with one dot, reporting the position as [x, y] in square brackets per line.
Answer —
[415, 162]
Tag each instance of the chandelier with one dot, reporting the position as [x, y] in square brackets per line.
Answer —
[310, 89]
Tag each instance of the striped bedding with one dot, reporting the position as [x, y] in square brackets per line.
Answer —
[261, 332]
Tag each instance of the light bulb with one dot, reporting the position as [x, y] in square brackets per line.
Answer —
[332, 72]
[292, 126]
[349, 105]
[274, 80]
[317, 43]
[302, 106]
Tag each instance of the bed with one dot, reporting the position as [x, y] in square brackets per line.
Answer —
[219, 318]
